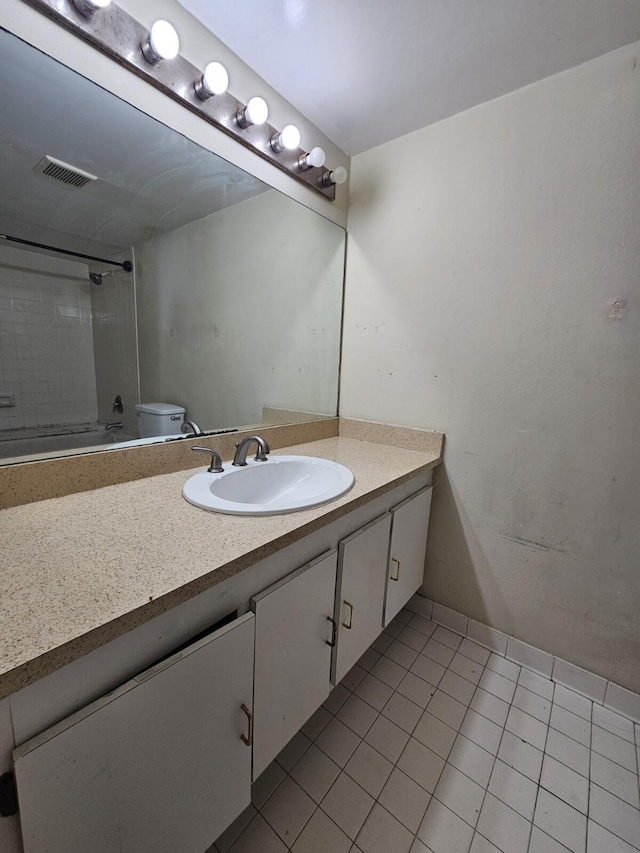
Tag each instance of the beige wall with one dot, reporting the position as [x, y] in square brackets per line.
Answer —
[241, 310]
[483, 255]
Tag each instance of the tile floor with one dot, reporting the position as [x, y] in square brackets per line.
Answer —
[432, 744]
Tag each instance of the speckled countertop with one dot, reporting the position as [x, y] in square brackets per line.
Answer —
[80, 570]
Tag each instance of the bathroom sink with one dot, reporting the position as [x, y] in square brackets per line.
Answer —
[281, 484]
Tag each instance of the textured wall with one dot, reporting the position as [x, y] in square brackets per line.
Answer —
[483, 255]
[241, 310]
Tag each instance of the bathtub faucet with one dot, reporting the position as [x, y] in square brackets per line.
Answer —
[114, 425]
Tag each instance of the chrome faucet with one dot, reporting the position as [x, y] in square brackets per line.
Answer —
[114, 425]
[243, 446]
[193, 426]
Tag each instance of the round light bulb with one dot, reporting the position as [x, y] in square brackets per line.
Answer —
[256, 111]
[315, 158]
[339, 175]
[89, 7]
[162, 42]
[214, 81]
[290, 137]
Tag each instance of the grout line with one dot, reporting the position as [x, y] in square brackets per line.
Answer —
[544, 754]
[434, 688]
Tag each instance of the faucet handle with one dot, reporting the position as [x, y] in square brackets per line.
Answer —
[216, 461]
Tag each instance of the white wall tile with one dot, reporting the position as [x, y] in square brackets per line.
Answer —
[450, 618]
[45, 340]
[623, 701]
[488, 637]
[421, 605]
[613, 722]
[580, 680]
[530, 657]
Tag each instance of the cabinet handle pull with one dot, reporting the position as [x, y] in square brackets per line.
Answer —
[248, 738]
[334, 629]
[397, 577]
[351, 608]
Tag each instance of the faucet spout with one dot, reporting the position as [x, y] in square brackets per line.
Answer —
[193, 426]
[114, 425]
[242, 447]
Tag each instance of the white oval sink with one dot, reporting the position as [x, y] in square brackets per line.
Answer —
[281, 484]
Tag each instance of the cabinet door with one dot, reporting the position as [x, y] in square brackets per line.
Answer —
[154, 767]
[362, 569]
[409, 525]
[294, 629]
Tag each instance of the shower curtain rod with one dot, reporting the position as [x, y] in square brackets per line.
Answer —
[126, 265]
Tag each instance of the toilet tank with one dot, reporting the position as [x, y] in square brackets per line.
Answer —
[159, 419]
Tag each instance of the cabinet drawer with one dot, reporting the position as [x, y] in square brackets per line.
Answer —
[158, 765]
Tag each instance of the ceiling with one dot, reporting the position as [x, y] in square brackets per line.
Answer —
[150, 178]
[367, 71]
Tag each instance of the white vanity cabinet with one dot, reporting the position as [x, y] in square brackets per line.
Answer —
[409, 526]
[360, 590]
[294, 638]
[163, 763]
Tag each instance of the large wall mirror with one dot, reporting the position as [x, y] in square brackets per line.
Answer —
[232, 309]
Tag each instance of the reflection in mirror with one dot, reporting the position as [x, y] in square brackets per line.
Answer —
[231, 313]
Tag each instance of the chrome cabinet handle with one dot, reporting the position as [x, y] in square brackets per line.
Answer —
[397, 577]
[334, 629]
[351, 608]
[248, 738]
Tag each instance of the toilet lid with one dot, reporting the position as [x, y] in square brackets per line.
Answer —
[160, 408]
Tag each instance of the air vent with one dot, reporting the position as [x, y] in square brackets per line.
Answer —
[63, 172]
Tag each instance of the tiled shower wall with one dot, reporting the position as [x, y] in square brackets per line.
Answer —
[46, 341]
[115, 347]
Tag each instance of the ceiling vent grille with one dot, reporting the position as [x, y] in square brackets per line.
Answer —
[63, 172]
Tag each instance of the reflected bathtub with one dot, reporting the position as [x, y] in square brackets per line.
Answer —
[51, 445]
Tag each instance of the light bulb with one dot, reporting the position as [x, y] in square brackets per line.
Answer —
[339, 175]
[315, 158]
[214, 81]
[161, 42]
[255, 112]
[335, 176]
[289, 138]
[88, 8]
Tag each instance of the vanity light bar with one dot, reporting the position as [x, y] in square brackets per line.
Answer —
[153, 54]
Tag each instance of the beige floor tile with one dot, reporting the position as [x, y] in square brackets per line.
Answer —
[369, 769]
[387, 738]
[338, 742]
[320, 835]
[460, 794]
[443, 831]
[315, 773]
[348, 805]
[405, 799]
[421, 764]
[403, 712]
[383, 833]
[287, 810]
